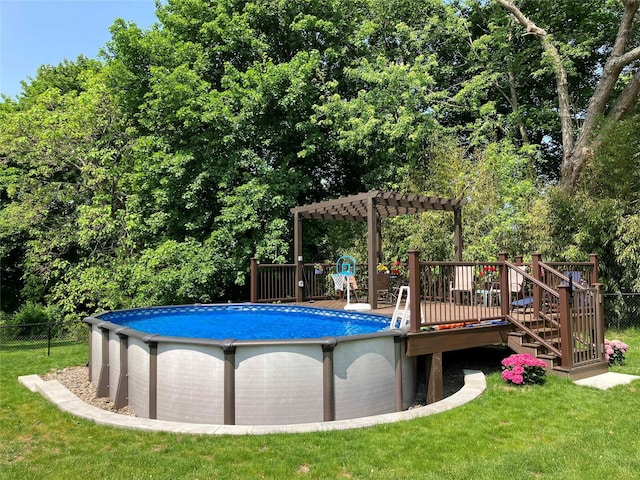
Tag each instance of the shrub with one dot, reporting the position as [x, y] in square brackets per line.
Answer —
[523, 369]
[34, 320]
[614, 351]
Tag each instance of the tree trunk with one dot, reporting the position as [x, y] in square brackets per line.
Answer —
[513, 98]
[577, 151]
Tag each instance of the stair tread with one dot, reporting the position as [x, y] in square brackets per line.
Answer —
[548, 356]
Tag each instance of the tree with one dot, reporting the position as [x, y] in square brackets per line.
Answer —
[63, 155]
[608, 102]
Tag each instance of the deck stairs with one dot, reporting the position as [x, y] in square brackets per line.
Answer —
[521, 342]
[539, 335]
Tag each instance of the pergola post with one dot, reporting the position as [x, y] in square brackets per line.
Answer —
[372, 224]
[457, 228]
[297, 254]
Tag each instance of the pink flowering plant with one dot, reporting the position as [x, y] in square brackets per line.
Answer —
[614, 351]
[523, 369]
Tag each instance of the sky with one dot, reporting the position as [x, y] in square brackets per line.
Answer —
[46, 32]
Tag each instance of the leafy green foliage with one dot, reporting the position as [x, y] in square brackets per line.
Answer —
[154, 175]
[32, 320]
[602, 217]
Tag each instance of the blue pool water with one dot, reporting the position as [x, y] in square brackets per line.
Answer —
[247, 322]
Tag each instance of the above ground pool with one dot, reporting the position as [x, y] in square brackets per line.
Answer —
[250, 364]
[247, 322]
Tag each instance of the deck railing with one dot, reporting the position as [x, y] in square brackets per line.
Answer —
[564, 317]
[456, 293]
[272, 282]
[557, 307]
[277, 282]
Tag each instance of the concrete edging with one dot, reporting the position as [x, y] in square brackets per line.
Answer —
[474, 384]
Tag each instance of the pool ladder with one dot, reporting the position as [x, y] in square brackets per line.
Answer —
[402, 310]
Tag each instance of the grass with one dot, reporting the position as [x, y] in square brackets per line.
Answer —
[554, 431]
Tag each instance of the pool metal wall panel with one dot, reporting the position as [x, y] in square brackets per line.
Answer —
[139, 364]
[190, 383]
[278, 384]
[96, 352]
[114, 364]
[364, 377]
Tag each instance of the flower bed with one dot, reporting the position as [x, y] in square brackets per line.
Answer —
[614, 351]
[523, 369]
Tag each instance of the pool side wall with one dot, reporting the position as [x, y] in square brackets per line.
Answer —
[279, 382]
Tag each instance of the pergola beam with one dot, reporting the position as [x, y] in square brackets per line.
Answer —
[370, 207]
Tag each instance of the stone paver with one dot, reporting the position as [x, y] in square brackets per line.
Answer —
[607, 380]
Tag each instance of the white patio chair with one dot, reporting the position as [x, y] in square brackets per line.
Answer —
[462, 282]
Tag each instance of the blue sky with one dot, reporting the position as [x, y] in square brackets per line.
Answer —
[45, 32]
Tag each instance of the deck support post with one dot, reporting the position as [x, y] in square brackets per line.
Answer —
[593, 259]
[414, 291]
[600, 327]
[253, 283]
[433, 371]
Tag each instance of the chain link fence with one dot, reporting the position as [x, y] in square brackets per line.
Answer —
[43, 339]
[622, 310]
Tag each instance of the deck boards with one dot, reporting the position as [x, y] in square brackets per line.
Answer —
[460, 337]
[432, 312]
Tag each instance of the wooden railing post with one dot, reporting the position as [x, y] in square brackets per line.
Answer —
[414, 290]
[566, 326]
[600, 328]
[536, 259]
[505, 299]
[254, 281]
[593, 259]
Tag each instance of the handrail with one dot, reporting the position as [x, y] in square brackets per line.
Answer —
[531, 278]
[555, 273]
[540, 291]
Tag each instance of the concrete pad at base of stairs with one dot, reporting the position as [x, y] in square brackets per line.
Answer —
[607, 380]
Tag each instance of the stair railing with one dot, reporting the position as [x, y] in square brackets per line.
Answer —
[582, 325]
[534, 308]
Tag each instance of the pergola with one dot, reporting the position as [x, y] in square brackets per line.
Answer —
[370, 207]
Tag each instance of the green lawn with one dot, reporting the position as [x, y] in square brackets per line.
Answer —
[555, 431]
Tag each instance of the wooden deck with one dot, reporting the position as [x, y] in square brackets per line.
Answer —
[432, 312]
[383, 309]
[430, 345]
[460, 317]
[562, 324]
